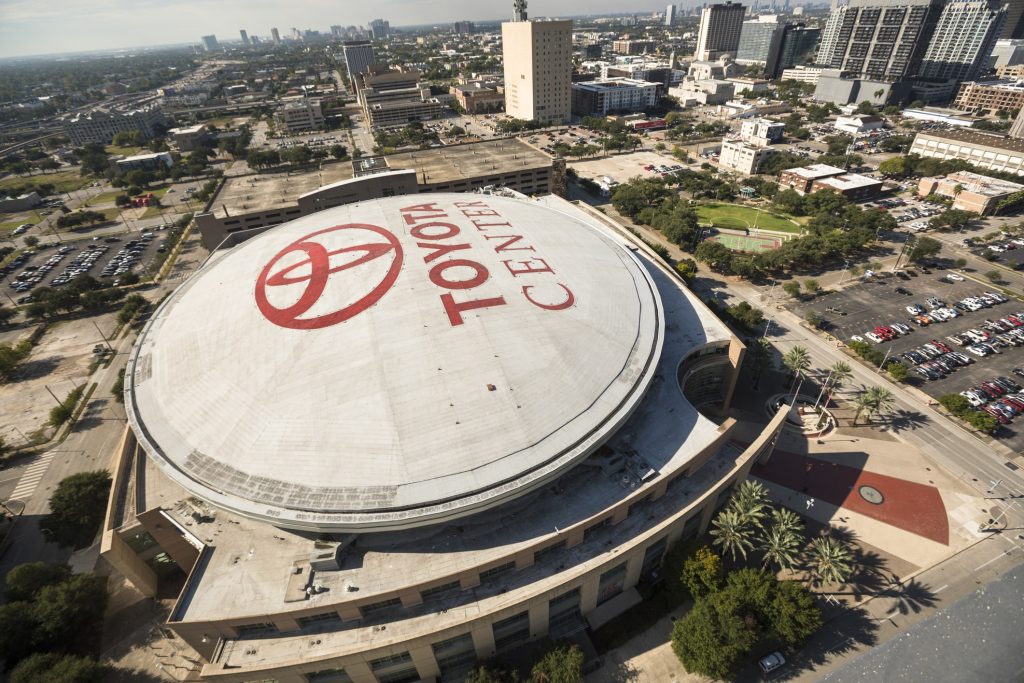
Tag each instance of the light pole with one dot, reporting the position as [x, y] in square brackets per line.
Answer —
[846, 272]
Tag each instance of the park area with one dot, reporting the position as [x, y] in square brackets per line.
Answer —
[747, 244]
[743, 217]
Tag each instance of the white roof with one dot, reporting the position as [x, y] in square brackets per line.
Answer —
[312, 377]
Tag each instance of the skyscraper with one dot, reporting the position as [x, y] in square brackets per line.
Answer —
[358, 56]
[379, 28]
[538, 69]
[719, 33]
[830, 35]
[519, 10]
[884, 39]
[210, 43]
[1014, 26]
[795, 46]
[966, 32]
[670, 15]
[245, 37]
[756, 37]
[275, 35]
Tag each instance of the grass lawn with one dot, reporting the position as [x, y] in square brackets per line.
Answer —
[63, 181]
[128, 151]
[105, 198]
[11, 225]
[734, 216]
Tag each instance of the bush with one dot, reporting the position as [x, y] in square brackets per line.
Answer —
[76, 509]
[56, 668]
[561, 664]
[961, 408]
[63, 412]
[898, 371]
[867, 352]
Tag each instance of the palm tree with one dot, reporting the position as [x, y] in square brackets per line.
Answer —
[781, 547]
[732, 532]
[863, 404]
[797, 360]
[751, 502]
[832, 560]
[841, 373]
[760, 359]
[882, 400]
[787, 520]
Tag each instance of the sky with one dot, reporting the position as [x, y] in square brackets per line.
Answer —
[33, 27]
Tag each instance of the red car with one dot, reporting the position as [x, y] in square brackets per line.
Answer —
[942, 347]
[1000, 418]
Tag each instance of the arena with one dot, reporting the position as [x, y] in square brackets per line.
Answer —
[391, 439]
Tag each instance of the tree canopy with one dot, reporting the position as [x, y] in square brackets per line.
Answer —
[76, 508]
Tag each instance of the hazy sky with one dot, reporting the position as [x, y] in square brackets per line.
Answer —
[31, 27]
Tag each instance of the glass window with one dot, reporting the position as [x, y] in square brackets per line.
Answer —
[611, 583]
[510, 632]
[376, 607]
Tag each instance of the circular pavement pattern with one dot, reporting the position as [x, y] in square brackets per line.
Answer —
[871, 494]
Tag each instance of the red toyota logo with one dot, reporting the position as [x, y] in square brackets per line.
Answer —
[301, 271]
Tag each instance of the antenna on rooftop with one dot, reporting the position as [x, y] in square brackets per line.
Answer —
[519, 9]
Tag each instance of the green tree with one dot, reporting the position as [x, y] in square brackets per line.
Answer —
[812, 286]
[714, 635]
[7, 313]
[760, 357]
[58, 668]
[955, 403]
[814, 320]
[882, 400]
[17, 631]
[76, 508]
[752, 502]
[732, 532]
[70, 611]
[714, 254]
[561, 664]
[792, 288]
[781, 548]
[489, 673]
[702, 572]
[894, 168]
[687, 268]
[924, 248]
[25, 581]
[794, 615]
[839, 374]
[863, 404]
[831, 560]
[898, 371]
[31, 241]
[797, 360]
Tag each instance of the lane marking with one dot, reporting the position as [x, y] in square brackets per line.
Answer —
[939, 590]
[999, 556]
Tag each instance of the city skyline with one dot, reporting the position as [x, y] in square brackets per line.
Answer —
[31, 29]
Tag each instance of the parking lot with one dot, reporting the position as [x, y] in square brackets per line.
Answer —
[55, 264]
[858, 309]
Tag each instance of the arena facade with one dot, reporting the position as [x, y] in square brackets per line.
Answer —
[394, 438]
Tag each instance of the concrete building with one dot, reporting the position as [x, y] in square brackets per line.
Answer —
[380, 29]
[762, 132]
[990, 96]
[633, 47]
[853, 186]
[262, 201]
[804, 74]
[101, 124]
[985, 150]
[1013, 27]
[304, 557]
[705, 92]
[970, 191]
[245, 38]
[802, 179]
[1017, 128]
[833, 86]
[670, 15]
[719, 31]
[275, 36]
[952, 117]
[961, 46]
[144, 162]
[189, 138]
[358, 56]
[210, 43]
[300, 114]
[620, 95]
[752, 86]
[394, 97]
[1007, 53]
[538, 70]
[479, 97]
[742, 157]
[22, 202]
[722, 69]
[858, 123]
[829, 45]
[759, 37]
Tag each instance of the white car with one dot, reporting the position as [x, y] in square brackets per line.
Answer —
[914, 309]
[978, 351]
[955, 277]
[857, 338]
[874, 337]
[901, 328]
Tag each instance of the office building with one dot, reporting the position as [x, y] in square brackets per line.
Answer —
[358, 57]
[852, 186]
[1017, 129]
[190, 138]
[964, 37]
[479, 97]
[970, 191]
[742, 157]
[758, 39]
[101, 124]
[762, 132]
[543, 510]
[144, 162]
[394, 97]
[299, 115]
[379, 28]
[1013, 28]
[988, 97]
[719, 30]
[633, 47]
[620, 96]
[830, 36]
[245, 38]
[797, 45]
[804, 74]
[276, 36]
[670, 15]
[210, 43]
[464, 27]
[884, 40]
[986, 150]
[802, 179]
[538, 69]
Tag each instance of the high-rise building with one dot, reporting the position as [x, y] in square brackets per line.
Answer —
[358, 56]
[719, 32]
[885, 39]
[245, 38]
[756, 39]
[275, 35]
[1014, 26]
[538, 69]
[962, 44]
[670, 15]
[379, 28]
[830, 35]
[336, 30]
[796, 46]
[1017, 129]
[464, 27]
[210, 43]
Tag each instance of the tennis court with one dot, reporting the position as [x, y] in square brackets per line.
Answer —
[747, 243]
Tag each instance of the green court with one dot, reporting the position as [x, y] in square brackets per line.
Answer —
[747, 243]
[743, 217]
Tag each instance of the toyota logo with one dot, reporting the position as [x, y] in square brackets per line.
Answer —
[293, 283]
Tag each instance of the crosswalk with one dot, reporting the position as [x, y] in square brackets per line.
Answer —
[30, 479]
